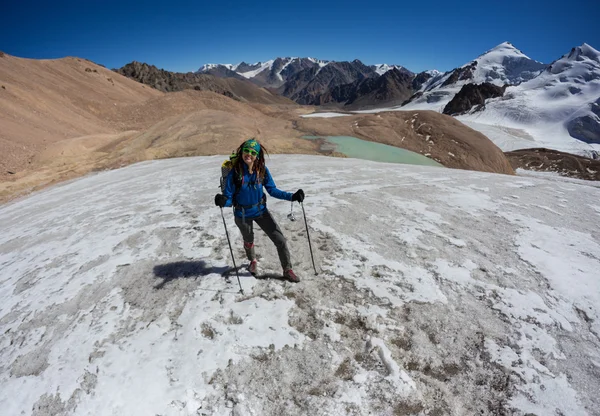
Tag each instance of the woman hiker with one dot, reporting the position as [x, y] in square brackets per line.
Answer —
[244, 191]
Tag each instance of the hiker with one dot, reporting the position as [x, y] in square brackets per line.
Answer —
[244, 191]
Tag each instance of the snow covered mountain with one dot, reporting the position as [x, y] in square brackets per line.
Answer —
[563, 101]
[383, 68]
[501, 65]
[208, 67]
[272, 73]
[555, 106]
[316, 82]
[277, 67]
[465, 293]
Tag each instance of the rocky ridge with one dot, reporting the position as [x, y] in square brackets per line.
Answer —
[232, 86]
[472, 95]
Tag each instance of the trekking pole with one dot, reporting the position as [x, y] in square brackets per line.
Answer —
[231, 250]
[308, 235]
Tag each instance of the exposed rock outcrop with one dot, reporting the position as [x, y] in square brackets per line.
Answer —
[391, 88]
[420, 79]
[461, 74]
[471, 95]
[166, 81]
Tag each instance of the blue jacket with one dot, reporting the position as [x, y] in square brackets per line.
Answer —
[249, 201]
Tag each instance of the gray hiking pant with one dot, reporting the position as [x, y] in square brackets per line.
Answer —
[270, 227]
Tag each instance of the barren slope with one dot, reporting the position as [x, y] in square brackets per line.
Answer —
[44, 101]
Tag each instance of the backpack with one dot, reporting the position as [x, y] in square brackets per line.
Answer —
[225, 169]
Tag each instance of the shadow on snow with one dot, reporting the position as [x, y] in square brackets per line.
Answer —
[185, 269]
[193, 269]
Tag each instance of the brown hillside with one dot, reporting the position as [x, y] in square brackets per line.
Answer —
[548, 160]
[45, 101]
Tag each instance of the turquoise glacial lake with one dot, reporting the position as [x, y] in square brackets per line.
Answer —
[378, 152]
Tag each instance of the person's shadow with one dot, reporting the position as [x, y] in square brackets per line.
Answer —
[187, 269]
[193, 269]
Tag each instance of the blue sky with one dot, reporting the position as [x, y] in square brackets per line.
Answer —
[182, 36]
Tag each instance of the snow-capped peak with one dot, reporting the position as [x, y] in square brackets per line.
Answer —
[289, 61]
[579, 53]
[383, 68]
[208, 67]
[503, 49]
[504, 64]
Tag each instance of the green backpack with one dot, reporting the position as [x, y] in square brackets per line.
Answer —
[225, 169]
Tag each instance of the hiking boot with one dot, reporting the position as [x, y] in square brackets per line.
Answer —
[290, 275]
[252, 267]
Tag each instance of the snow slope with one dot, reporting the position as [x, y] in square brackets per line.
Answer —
[546, 105]
[264, 66]
[454, 294]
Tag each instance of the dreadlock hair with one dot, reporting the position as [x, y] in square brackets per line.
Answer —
[259, 163]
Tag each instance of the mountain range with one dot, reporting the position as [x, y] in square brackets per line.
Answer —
[67, 117]
[311, 81]
[501, 86]
[63, 118]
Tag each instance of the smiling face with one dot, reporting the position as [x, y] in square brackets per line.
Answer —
[249, 156]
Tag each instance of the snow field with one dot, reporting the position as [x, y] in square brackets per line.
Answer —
[439, 292]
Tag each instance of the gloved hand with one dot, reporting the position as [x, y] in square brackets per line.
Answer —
[298, 196]
[220, 200]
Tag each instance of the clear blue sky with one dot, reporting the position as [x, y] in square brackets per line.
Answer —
[182, 36]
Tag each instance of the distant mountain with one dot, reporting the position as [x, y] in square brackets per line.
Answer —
[309, 85]
[383, 68]
[501, 86]
[391, 88]
[220, 71]
[273, 73]
[562, 100]
[500, 66]
[230, 84]
[317, 82]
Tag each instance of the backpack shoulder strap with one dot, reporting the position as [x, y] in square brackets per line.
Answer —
[238, 182]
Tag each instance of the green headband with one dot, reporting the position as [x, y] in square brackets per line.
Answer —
[252, 144]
